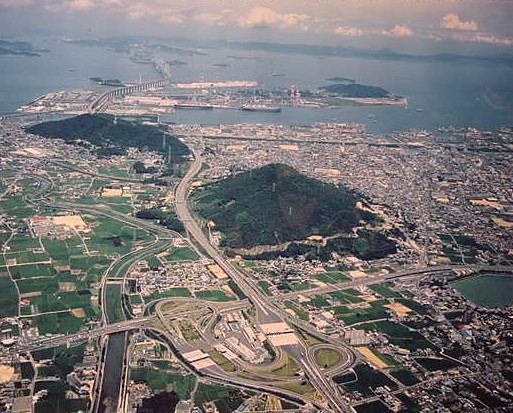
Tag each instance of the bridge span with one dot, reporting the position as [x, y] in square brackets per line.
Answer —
[101, 102]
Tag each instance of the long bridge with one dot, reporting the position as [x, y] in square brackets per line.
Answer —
[101, 102]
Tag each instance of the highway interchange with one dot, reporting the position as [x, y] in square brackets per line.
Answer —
[267, 308]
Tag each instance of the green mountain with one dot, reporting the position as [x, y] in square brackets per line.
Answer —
[275, 204]
[112, 135]
[356, 90]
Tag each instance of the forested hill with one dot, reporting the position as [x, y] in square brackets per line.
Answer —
[112, 135]
[274, 204]
[356, 90]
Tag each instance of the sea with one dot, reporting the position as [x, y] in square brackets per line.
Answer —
[462, 94]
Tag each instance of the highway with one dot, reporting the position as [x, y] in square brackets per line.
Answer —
[374, 279]
[84, 335]
[266, 311]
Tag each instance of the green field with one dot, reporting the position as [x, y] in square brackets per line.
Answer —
[414, 305]
[25, 257]
[302, 314]
[173, 292]
[8, 298]
[56, 400]
[376, 311]
[64, 323]
[373, 407]
[301, 286]
[264, 286]
[488, 290]
[21, 242]
[222, 361]
[368, 380]
[332, 277]
[113, 301]
[327, 358]
[37, 284]
[405, 377]
[227, 400]
[434, 364]
[214, 295]
[181, 254]
[348, 296]
[398, 335]
[384, 290]
[164, 381]
[319, 301]
[31, 271]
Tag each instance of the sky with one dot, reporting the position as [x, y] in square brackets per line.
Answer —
[443, 24]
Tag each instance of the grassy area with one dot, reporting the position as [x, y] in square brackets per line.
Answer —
[341, 309]
[22, 242]
[324, 278]
[301, 286]
[375, 311]
[332, 277]
[26, 257]
[398, 335]
[38, 284]
[288, 367]
[164, 381]
[214, 295]
[222, 361]
[319, 301]
[434, 364]
[181, 254]
[405, 376]
[208, 393]
[308, 338]
[119, 171]
[8, 298]
[368, 380]
[384, 290]
[189, 332]
[64, 323]
[58, 249]
[415, 306]
[226, 400]
[113, 303]
[31, 271]
[348, 296]
[299, 388]
[59, 300]
[302, 314]
[264, 286]
[56, 401]
[373, 407]
[173, 292]
[326, 357]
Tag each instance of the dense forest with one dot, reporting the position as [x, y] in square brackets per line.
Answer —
[275, 204]
[112, 135]
[167, 219]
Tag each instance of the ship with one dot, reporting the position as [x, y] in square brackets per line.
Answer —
[200, 106]
[261, 108]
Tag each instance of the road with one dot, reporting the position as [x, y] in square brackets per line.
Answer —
[266, 311]
[84, 335]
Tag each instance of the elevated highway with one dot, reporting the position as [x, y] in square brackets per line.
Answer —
[103, 100]
[266, 311]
